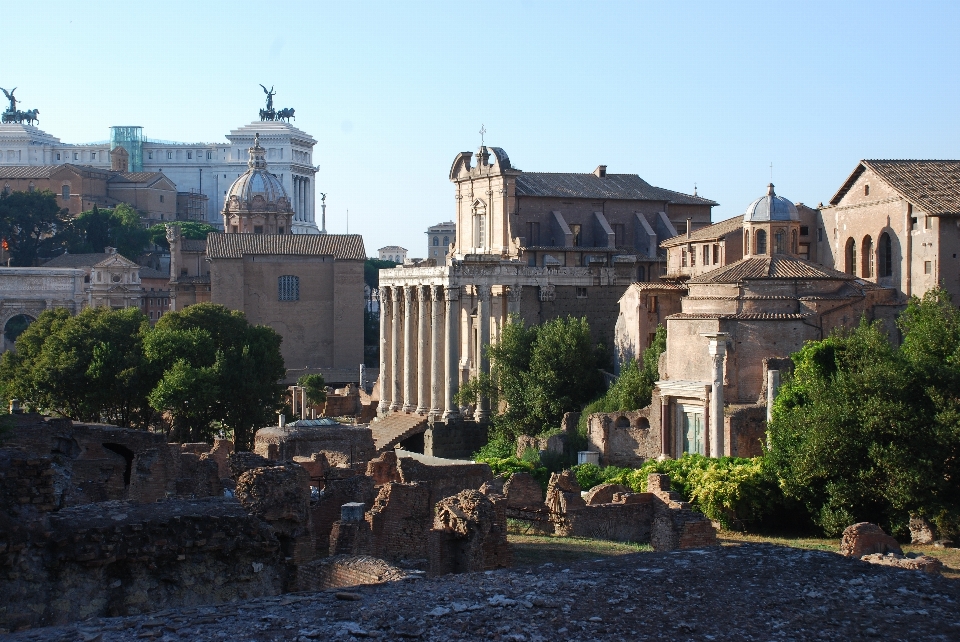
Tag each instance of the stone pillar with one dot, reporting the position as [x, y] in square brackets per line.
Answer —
[513, 299]
[773, 386]
[386, 345]
[436, 349]
[451, 297]
[717, 351]
[308, 192]
[483, 332]
[665, 424]
[409, 349]
[423, 351]
[396, 397]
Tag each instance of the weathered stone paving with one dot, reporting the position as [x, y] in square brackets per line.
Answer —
[746, 592]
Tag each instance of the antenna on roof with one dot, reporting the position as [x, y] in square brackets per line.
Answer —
[694, 189]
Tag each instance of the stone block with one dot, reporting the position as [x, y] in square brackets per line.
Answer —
[604, 493]
[352, 512]
[866, 538]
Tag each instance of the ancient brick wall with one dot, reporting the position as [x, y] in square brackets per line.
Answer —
[399, 520]
[343, 445]
[326, 509]
[455, 440]
[745, 430]
[26, 483]
[619, 522]
[383, 469]
[119, 558]
[469, 534]
[280, 495]
[625, 438]
[446, 480]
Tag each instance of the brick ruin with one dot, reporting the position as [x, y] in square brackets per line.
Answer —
[97, 520]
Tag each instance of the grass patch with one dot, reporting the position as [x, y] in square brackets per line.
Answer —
[949, 556]
[534, 550]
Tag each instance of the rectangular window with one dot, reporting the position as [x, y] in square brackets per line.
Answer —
[93, 155]
[58, 156]
[150, 155]
[706, 255]
[161, 198]
[804, 230]
[169, 155]
[693, 257]
[189, 155]
[716, 253]
[65, 192]
[288, 288]
[209, 155]
[619, 235]
[76, 156]
[533, 234]
[928, 222]
[652, 304]
[581, 293]
[258, 229]
[819, 234]
[683, 257]
[575, 229]
[928, 267]
[805, 251]
[650, 338]
[913, 222]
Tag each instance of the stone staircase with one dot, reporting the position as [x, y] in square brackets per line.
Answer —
[391, 429]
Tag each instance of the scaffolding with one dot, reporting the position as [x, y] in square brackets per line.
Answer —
[131, 139]
[192, 205]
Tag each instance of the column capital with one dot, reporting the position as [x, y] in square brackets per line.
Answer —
[514, 292]
[483, 292]
[451, 293]
[397, 293]
[436, 292]
[408, 293]
[423, 294]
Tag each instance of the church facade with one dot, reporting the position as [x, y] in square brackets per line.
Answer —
[537, 245]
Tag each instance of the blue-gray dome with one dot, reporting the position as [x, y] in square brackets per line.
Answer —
[257, 181]
[771, 208]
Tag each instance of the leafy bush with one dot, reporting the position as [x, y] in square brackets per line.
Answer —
[735, 492]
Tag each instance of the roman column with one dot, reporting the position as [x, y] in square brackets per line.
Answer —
[451, 296]
[717, 351]
[386, 343]
[483, 330]
[513, 300]
[436, 350]
[409, 350]
[423, 351]
[664, 426]
[396, 396]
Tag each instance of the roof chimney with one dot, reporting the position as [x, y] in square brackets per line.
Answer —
[601, 171]
[689, 226]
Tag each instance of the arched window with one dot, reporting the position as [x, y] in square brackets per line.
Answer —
[446, 240]
[780, 242]
[288, 288]
[436, 241]
[851, 257]
[65, 192]
[761, 243]
[886, 255]
[793, 243]
[479, 224]
[866, 254]
[746, 243]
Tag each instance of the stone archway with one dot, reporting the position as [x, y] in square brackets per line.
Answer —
[13, 327]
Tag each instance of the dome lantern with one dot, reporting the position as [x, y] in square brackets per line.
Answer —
[257, 203]
[771, 225]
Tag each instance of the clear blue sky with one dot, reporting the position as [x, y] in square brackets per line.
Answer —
[678, 92]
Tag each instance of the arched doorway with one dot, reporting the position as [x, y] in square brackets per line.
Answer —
[15, 326]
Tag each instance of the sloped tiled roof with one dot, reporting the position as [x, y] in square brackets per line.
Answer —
[77, 260]
[150, 273]
[193, 245]
[708, 233]
[26, 171]
[932, 185]
[778, 267]
[744, 316]
[611, 186]
[234, 246]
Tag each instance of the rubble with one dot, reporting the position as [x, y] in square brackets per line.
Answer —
[921, 531]
[469, 534]
[923, 563]
[866, 538]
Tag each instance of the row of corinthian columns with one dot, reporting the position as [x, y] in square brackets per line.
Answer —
[419, 350]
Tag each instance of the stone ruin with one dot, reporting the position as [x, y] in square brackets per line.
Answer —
[97, 520]
[868, 543]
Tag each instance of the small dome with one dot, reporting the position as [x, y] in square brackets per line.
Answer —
[257, 181]
[771, 208]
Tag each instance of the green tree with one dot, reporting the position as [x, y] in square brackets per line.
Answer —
[217, 370]
[95, 229]
[188, 229]
[538, 373]
[864, 431]
[371, 271]
[315, 386]
[28, 221]
[633, 389]
[88, 367]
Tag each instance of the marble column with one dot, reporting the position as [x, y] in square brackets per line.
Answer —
[296, 197]
[513, 300]
[409, 349]
[436, 350]
[386, 357]
[717, 351]
[396, 397]
[665, 424]
[452, 329]
[483, 332]
[423, 350]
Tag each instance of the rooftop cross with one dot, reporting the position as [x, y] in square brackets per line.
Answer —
[483, 130]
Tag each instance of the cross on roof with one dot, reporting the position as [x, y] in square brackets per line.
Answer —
[483, 130]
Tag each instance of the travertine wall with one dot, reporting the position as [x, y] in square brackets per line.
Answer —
[625, 438]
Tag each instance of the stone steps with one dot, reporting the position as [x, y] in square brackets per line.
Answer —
[390, 430]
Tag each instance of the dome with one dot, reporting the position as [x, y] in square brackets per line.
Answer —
[771, 208]
[258, 182]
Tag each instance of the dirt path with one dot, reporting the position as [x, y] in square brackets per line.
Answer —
[738, 592]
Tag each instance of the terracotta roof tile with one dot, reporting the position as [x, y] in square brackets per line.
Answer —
[779, 267]
[234, 246]
[611, 186]
[708, 233]
[931, 185]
